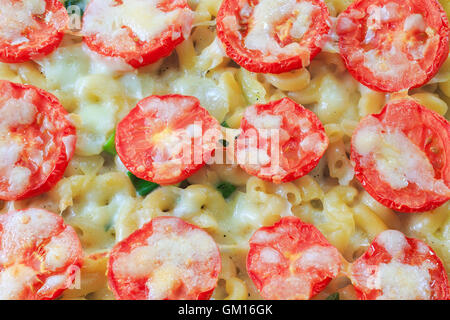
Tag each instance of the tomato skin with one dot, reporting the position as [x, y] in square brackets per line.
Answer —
[49, 106]
[292, 116]
[413, 256]
[45, 40]
[127, 287]
[290, 237]
[31, 251]
[420, 125]
[145, 52]
[251, 59]
[136, 128]
[350, 41]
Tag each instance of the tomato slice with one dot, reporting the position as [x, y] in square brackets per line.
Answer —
[167, 259]
[272, 36]
[165, 139]
[399, 268]
[30, 29]
[280, 141]
[393, 45]
[37, 141]
[138, 31]
[401, 156]
[291, 260]
[39, 255]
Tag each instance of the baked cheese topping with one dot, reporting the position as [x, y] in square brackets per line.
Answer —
[396, 279]
[18, 116]
[266, 15]
[144, 18]
[402, 281]
[263, 120]
[398, 161]
[14, 113]
[167, 259]
[22, 232]
[14, 279]
[302, 269]
[17, 16]
[396, 60]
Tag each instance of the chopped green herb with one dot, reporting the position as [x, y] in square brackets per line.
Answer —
[334, 296]
[108, 226]
[183, 184]
[79, 3]
[142, 187]
[225, 124]
[224, 142]
[226, 189]
[110, 145]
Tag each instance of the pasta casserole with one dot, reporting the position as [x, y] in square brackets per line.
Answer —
[224, 149]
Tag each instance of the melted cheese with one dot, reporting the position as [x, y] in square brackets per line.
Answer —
[296, 287]
[267, 13]
[263, 120]
[142, 17]
[319, 258]
[313, 143]
[16, 16]
[19, 179]
[379, 15]
[414, 22]
[390, 63]
[271, 256]
[396, 279]
[22, 232]
[15, 112]
[52, 284]
[402, 281]
[398, 161]
[303, 270]
[59, 251]
[26, 228]
[165, 109]
[394, 242]
[105, 64]
[167, 259]
[13, 280]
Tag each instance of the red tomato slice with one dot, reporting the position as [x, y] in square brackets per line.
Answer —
[272, 36]
[401, 156]
[30, 29]
[39, 255]
[37, 141]
[167, 259]
[165, 139]
[291, 260]
[280, 141]
[393, 45]
[399, 268]
[139, 31]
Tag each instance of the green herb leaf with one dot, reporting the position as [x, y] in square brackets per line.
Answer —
[79, 3]
[142, 187]
[224, 142]
[110, 145]
[225, 124]
[183, 184]
[334, 296]
[226, 189]
[108, 226]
